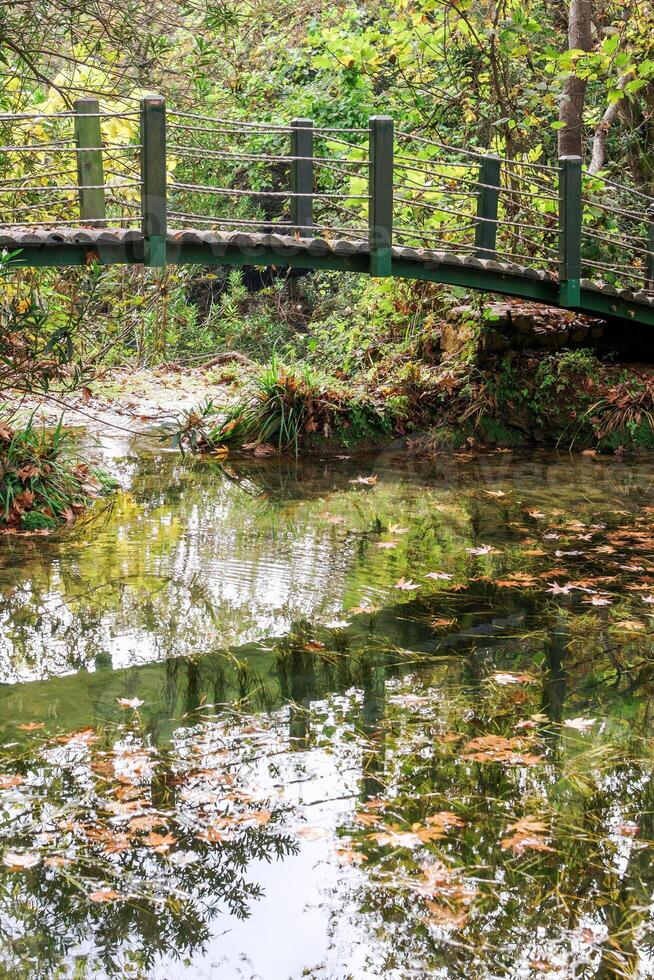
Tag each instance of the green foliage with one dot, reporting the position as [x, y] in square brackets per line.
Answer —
[282, 408]
[42, 484]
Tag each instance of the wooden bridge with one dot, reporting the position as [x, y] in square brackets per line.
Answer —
[162, 187]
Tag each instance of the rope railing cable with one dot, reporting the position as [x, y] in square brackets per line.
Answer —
[229, 122]
[472, 153]
[428, 207]
[620, 275]
[612, 209]
[23, 116]
[531, 180]
[273, 229]
[200, 151]
[339, 142]
[623, 187]
[47, 174]
[230, 191]
[613, 241]
[63, 148]
[57, 222]
[65, 188]
[624, 238]
[179, 127]
[400, 134]
[446, 229]
[612, 267]
[422, 189]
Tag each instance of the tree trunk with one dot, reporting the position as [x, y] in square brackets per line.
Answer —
[611, 113]
[571, 111]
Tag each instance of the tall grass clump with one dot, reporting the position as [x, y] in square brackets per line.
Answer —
[281, 408]
[42, 483]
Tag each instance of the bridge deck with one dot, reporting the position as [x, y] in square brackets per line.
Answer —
[81, 246]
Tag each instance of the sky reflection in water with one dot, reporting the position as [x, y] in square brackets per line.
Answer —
[264, 721]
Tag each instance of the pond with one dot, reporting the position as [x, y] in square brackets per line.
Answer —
[339, 718]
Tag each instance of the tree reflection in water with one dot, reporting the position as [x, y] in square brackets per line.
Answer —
[136, 849]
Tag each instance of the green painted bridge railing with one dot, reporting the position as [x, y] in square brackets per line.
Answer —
[154, 186]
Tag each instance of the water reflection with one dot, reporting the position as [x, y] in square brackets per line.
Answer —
[406, 725]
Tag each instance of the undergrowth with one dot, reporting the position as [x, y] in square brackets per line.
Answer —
[283, 408]
[42, 484]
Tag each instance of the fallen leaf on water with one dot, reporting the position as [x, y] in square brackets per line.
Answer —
[518, 581]
[20, 862]
[483, 549]
[580, 724]
[442, 623]
[445, 819]
[57, 861]
[496, 748]
[130, 702]
[31, 726]
[406, 584]
[146, 822]
[444, 916]
[627, 829]
[557, 589]
[364, 610]
[261, 817]
[347, 855]
[8, 782]
[311, 833]
[439, 576]
[213, 835]
[397, 838]
[160, 842]
[629, 626]
[386, 544]
[118, 844]
[527, 835]
[368, 481]
[396, 529]
[104, 895]
[367, 819]
[495, 493]
[501, 678]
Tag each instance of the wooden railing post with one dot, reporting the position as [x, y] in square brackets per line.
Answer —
[302, 176]
[649, 284]
[487, 207]
[153, 177]
[381, 195]
[570, 216]
[90, 172]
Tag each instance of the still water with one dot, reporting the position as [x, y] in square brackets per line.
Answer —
[348, 718]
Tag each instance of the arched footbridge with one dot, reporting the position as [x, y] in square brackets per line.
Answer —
[159, 186]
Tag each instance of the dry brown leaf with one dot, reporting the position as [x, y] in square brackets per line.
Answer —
[104, 895]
